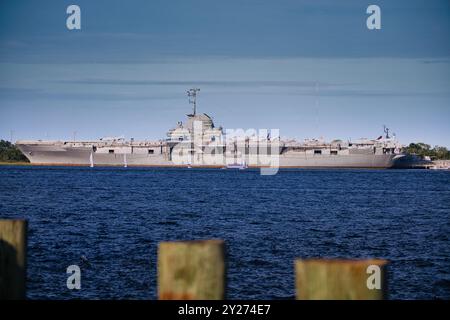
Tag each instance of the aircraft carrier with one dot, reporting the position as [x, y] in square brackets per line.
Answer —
[199, 143]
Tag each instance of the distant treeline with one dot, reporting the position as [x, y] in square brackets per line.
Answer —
[9, 153]
[423, 149]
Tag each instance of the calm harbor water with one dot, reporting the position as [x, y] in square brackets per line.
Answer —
[116, 217]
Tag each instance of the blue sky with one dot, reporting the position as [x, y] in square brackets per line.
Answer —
[309, 68]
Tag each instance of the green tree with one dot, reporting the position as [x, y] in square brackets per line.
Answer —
[10, 153]
[441, 153]
[423, 149]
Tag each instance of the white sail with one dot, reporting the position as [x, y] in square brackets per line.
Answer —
[91, 159]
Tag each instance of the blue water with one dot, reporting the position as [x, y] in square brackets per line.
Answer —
[116, 217]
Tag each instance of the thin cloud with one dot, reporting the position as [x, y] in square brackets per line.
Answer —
[38, 94]
[436, 61]
[231, 83]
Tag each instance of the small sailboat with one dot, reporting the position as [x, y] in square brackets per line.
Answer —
[125, 164]
[240, 166]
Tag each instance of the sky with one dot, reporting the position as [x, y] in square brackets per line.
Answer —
[309, 68]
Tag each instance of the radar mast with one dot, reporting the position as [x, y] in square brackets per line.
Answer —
[192, 94]
[386, 130]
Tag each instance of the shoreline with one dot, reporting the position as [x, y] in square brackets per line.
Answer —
[15, 163]
[435, 164]
[29, 164]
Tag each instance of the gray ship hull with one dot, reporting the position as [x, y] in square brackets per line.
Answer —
[51, 154]
[198, 142]
[339, 161]
[83, 156]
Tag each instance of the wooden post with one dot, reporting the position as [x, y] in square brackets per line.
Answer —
[191, 270]
[13, 258]
[318, 279]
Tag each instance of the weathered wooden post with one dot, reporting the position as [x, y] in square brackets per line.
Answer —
[13, 258]
[191, 270]
[322, 279]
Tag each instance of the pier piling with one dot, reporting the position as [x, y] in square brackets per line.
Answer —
[191, 270]
[322, 279]
[13, 258]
